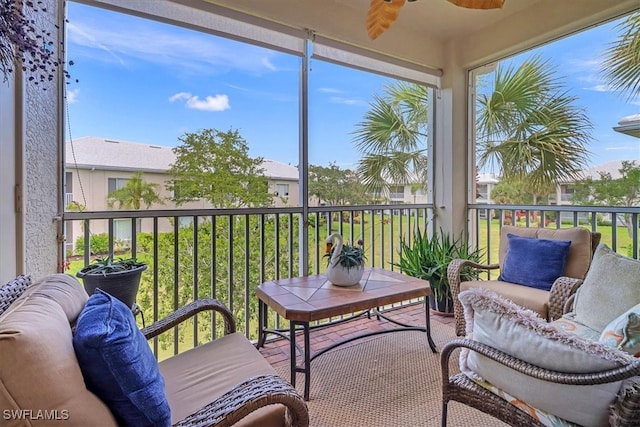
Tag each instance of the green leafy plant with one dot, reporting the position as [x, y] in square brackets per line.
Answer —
[108, 265]
[98, 243]
[350, 256]
[428, 258]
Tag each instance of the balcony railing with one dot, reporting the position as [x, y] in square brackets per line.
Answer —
[225, 254]
[618, 225]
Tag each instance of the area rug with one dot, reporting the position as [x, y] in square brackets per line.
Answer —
[390, 380]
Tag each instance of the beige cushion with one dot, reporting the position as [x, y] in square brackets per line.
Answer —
[580, 252]
[525, 296]
[38, 367]
[505, 326]
[196, 377]
[611, 287]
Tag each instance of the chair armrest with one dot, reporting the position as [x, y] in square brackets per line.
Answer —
[189, 311]
[247, 397]
[453, 275]
[562, 289]
[590, 378]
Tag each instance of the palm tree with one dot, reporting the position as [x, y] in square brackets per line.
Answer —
[622, 58]
[135, 192]
[530, 128]
[392, 139]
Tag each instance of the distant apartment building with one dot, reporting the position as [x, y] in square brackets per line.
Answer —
[485, 182]
[96, 166]
[564, 191]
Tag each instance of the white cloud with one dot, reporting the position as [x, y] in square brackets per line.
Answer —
[619, 148]
[329, 90]
[179, 96]
[126, 38]
[72, 96]
[600, 88]
[209, 103]
[346, 101]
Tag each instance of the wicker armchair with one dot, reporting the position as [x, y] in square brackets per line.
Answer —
[462, 389]
[550, 305]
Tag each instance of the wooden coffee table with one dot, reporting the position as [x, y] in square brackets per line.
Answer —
[302, 300]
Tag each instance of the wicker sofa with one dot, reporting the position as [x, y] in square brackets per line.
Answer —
[581, 369]
[221, 383]
[549, 304]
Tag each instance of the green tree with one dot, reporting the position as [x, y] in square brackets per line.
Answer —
[134, 194]
[335, 186]
[607, 191]
[530, 128]
[510, 193]
[216, 166]
[229, 272]
[621, 64]
[393, 139]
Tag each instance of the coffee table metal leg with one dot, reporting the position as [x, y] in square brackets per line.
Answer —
[428, 324]
[307, 361]
[306, 355]
[292, 349]
[262, 323]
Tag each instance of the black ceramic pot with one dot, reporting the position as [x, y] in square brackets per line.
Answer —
[122, 284]
[443, 306]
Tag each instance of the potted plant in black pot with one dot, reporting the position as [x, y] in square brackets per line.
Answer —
[427, 258]
[120, 278]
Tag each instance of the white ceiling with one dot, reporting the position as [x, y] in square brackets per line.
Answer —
[433, 32]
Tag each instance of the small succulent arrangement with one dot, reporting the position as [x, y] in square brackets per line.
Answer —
[108, 265]
[23, 45]
[349, 256]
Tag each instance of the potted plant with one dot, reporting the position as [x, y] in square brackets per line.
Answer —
[428, 258]
[345, 265]
[120, 278]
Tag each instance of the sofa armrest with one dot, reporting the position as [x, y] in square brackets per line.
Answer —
[453, 275]
[247, 397]
[562, 289]
[189, 311]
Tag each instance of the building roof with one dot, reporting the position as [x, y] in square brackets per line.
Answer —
[612, 167]
[487, 178]
[109, 154]
[629, 125]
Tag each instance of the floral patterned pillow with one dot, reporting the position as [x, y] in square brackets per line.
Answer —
[624, 332]
[12, 290]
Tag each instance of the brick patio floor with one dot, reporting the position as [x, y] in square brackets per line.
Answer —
[277, 351]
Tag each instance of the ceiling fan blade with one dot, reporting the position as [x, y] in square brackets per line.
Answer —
[381, 15]
[478, 4]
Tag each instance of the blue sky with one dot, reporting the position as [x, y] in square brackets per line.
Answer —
[149, 82]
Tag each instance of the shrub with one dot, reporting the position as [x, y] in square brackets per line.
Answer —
[99, 244]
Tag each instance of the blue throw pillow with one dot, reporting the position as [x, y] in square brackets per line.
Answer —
[117, 363]
[534, 262]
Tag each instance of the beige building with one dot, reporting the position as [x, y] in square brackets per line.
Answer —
[96, 166]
